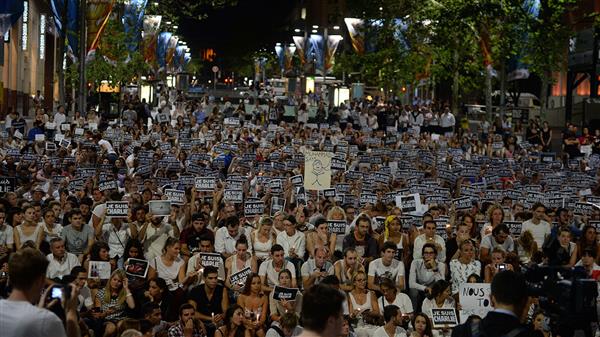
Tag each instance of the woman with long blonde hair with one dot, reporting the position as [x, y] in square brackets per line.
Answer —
[111, 301]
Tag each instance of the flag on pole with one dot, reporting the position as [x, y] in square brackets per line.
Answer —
[315, 52]
[299, 41]
[355, 30]
[332, 43]
[132, 22]
[10, 12]
[151, 26]
[289, 55]
[279, 51]
[97, 16]
[161, 49]
[171, 48]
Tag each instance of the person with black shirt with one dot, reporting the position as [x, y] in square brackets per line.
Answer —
[210, 300]
[191, 236]
[362, 241]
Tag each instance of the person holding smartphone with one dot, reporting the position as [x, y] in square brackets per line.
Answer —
[497, 264]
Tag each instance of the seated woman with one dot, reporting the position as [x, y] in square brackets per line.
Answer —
[422, 326]
[171, 268]
[498, 264]
[361, 300]
[158, 293]
[239, 261]
[280, 307]
[111, 301]
[263, 239]
[234, 323]
[392, 296]
[99, 252]
[255, 305]
[440, 298]
[320, 237]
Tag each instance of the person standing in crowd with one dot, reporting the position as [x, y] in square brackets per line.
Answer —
[509, 295]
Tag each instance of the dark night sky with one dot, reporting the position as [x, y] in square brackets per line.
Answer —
[237, 30]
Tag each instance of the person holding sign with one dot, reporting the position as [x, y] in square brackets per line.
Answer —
[241, 260]
[440, 298]
[393, 323]
[279, 307]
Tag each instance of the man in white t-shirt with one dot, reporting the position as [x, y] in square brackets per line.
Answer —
[270, 268]
[393, 322]
[20, 318]
[386, 267]
[538, 227]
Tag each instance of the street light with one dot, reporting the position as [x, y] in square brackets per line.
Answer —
[297, 30]
[315, 26]
[175, 27]
[336, 27]
[314, 31]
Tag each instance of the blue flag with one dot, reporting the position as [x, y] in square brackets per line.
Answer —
[161, 49]
[315, 52]
[10, 12]
[132, 23]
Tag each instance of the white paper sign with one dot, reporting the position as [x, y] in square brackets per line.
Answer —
[474, 299]
[317, 170]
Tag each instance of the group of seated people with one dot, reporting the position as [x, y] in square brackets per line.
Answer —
[242, 289]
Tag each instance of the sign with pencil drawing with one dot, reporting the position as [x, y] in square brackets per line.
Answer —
[317, 170]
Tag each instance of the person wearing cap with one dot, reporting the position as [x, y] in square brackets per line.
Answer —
[190, 236]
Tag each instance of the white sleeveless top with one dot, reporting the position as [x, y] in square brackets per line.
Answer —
[169, 273]
[234, 267]
[261, 249]
[361, 307]
[33, 237]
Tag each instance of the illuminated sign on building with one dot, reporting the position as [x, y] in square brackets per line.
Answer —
[25, 25]
[42, 36]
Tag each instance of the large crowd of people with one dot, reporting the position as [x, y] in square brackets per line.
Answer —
[418, 204]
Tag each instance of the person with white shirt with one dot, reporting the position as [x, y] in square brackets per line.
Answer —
[60, 261]
[429, 236]
[228, 235]
[393, 321]
[269, 269]
[60, 117]
[18, 316]
[293, 242]
[6, 235]
[386, 267]
[423, 273]
[538, 227]
[116, 234]
[316, 268]
[391, 296]
[447, 122]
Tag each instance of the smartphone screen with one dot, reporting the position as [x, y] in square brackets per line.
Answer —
[56, 293]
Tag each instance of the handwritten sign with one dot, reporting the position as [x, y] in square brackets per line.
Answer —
[317, 170]
[474, 299]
